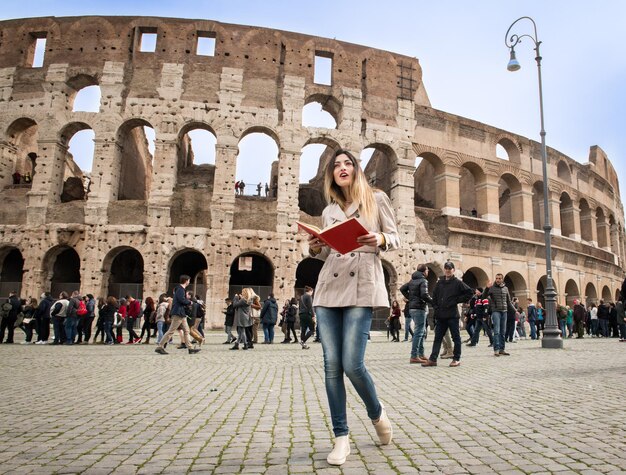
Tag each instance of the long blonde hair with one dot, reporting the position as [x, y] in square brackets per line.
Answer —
[360, 190]
[248, 294]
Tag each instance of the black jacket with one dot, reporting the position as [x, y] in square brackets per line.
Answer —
[43, 310]
[269, 312]
[416, 291]
[229, 321]
[499, 298]
[447, 295]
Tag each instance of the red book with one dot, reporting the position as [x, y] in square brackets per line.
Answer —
[342, 236]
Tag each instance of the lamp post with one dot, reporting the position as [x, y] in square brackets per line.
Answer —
[552, 334]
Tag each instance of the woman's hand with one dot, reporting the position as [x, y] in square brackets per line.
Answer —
[315, 244]
[371, 239]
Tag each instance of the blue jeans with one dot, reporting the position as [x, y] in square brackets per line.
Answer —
[499, 330]
[604, 327]
[108, 331]
[407, 327]
[622, 330]
[419, 324]
[160, 331]
[70, 329]
[343, 332]
[268, 332]
[563, 328]
[533, 329]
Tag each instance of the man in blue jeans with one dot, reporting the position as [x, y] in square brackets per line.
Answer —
[416, 292]
[499, 300]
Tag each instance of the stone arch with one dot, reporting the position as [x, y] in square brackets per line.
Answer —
[564, 172]
[391, 284]
[509, 201]
[22, 136]
[542, 283]
[538, 205]
[434, 271]
[328, 104]
[566, 210]
[11, 270]
[196, 149]
[471, 177]
[80, 85]
[516, 284]
[571, 292]
[618, 295]
[428, 166]
[259, 148]
[379, 169]
[123, 272]
[251, 269]
[586, 221]
[475, 277]
[77, 138]
[511, 146]
[191, 262]
[307, 273]
[134, 159]
[61, 270]
[602, 228]
[316, 153]
[606, 294]
[591, 294]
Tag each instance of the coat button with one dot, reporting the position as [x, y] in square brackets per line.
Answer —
[358, 215]
[336, 275]
[351, 274]
[338, 255]
[352, 254]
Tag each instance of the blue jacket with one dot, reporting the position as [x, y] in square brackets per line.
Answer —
[179, 302]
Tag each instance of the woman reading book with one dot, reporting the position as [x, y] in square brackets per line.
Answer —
[349, 287]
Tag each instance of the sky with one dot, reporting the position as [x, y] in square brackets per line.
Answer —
[460, 46]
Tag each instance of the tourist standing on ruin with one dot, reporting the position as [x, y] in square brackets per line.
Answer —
[348, 289]
[448, 294]
[179, 317]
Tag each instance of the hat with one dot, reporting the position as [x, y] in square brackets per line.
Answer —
[448, 265]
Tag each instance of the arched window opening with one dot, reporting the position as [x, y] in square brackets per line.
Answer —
[606, 294]
[471, 176]
[19, 169]
[126, 275]
[254, 271]
[136, 153]
[314, 115]
[424, 191]
[87, 99]
[307, 273]
[376, 162]
[79, 138]
[12, 265]
[192, 263]
[62, 269]
[258, 154]
[196, 158]
[475, 277]
[563, 172]
[313, 161]
[538, 208]
[510, 200]
[602, 228]
[504, 202]
[566, 209]
[586, 221]
[541, 289]
[501, 152]
[516, 285]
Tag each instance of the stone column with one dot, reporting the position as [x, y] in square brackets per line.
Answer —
[614, 239]
[572, 215]
[555, 214]
[447, 191]
[164, 173]
[223, 199]
[47, 182]
[104, 186]
[287, 210]
[589, 220]
[402, 193]
[522, 207]
[488, 199]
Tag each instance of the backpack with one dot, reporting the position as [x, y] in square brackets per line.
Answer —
[82, 309]
[5, 309]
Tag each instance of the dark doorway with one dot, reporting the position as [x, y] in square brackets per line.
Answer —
[65, 272]
[191, 263]
[12, 270]
[306, 274]
[254, 271]
[126, 276]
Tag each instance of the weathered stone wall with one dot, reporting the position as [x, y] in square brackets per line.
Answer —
[258, 81]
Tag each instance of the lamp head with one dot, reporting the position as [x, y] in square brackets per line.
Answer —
[513, 63]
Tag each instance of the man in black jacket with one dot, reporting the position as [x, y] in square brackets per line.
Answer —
[448, 293]
[499, 301]
[8, 322]
[416, 292]
[42, 317]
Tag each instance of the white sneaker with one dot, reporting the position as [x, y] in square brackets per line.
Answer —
[26, 343]
[340, 451]
[383, 427]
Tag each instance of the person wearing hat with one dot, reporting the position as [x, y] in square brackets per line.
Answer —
[449, 292]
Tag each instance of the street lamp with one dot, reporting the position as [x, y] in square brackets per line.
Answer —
[552, 334]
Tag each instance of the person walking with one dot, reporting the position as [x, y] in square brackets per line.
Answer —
[348, 288]
[162, 316]
[149, 317]
[621, 318]
[394, 321]
[292, 313]
[531, 314]
[269, 316]
[416, 292]
[307, 316]
[448, 294]
[179, 318]
[229, 321]
[107, 316]
[134, 312]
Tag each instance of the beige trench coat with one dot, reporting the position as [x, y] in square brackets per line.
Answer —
[356, 279]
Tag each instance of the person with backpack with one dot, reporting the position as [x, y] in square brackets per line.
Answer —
[8, 321]
[292, 311]
[71, 316]
[57, 313]
[81, 313]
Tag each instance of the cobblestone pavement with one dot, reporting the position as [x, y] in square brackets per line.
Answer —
[100, 409]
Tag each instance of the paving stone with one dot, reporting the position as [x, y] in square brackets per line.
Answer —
[270, 416]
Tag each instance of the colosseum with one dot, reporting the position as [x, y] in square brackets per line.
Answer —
[148, 216]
